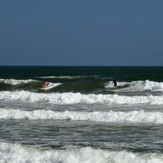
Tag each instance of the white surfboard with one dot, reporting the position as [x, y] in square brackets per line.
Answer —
[44, 88]
[50, 86]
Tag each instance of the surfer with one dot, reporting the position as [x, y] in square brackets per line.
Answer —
[115, 84]
[45, 84]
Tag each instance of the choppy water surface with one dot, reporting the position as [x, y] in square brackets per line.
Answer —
[80, 118]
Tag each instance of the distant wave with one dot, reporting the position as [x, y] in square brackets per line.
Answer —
[118, 117]
[21, 153]
[15, 81]
[73, 98]
[72, 77]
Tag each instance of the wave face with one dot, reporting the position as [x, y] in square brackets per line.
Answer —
[83, 79]
[95, 87]
[80, 118]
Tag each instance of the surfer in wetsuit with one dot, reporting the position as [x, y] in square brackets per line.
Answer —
[115, 84]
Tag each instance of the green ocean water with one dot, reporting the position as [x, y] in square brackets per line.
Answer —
[118, 72]
[78, 79]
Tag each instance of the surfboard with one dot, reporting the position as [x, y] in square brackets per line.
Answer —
[51, 85]
[44, 88]
[112, 90]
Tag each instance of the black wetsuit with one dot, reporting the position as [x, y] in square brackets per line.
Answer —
[115, 83]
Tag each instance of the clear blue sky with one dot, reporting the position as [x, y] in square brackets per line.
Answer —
[81, 32]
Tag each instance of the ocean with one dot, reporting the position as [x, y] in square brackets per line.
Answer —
[80, 119]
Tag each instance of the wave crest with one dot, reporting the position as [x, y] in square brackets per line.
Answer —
[118, 117]
[73, 98]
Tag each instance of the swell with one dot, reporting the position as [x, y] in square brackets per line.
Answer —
[81, 84]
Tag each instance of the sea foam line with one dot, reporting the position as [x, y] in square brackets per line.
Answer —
[74, 98]
[16, 81]
[118, 117]
[17, 153]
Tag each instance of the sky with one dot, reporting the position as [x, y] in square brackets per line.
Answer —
[81, 32]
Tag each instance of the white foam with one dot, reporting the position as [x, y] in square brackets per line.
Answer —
[58, 77]
[153, 86]
[67, 77]
[17, 153]
[73, 98]
[118, 117]
[138, 86]
[15, 81]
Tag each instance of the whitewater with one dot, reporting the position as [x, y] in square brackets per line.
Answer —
[80, 118]
[16, 153]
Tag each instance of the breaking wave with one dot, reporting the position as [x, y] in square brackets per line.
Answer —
[118, 117]
[17, 153]
[81, 84]
[74, 98]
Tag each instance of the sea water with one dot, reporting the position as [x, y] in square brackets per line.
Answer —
[81, 119]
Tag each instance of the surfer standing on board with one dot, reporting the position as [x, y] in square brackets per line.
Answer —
[115, 84]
